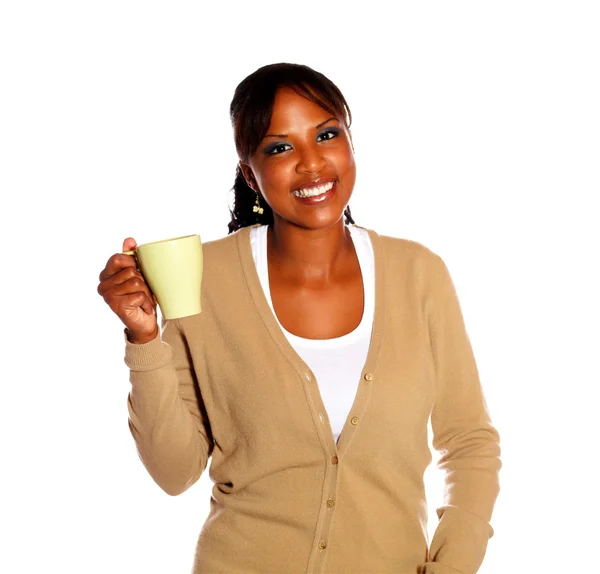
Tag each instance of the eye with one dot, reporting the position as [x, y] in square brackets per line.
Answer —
[330, 133]
[273, 149]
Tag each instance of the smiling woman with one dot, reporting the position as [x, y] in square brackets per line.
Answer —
[322, 351]
[308, 162]
[292, 133]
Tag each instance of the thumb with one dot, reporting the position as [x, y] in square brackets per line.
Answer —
[129, 244]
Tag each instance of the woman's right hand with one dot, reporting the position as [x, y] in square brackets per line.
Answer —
[125, 291]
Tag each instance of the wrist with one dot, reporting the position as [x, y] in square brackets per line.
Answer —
[141, 340]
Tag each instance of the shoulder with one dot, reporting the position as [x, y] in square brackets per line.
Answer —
[220, 260]
[222, 244]
[228, 259]
[220, 253]
[409, 262]
[403, 250]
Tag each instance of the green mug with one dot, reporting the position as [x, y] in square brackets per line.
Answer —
[173, 270]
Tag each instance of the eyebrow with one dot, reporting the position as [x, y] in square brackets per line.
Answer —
[316, 127]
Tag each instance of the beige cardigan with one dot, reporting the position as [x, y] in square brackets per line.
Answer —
[286, 498]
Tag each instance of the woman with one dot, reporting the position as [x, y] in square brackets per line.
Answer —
[321, 352]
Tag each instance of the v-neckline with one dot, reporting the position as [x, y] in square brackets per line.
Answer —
[368, 375]
[368, 289]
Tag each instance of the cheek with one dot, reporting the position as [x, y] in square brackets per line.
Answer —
[345, 163]
[275, 174]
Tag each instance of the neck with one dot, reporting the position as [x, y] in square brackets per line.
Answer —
[309, 255]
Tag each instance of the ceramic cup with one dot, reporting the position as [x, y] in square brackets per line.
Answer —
[173, 270]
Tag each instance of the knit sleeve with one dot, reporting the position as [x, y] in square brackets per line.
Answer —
[166, 415]
[469, 445]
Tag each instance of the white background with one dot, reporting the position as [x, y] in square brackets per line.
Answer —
[477, 133]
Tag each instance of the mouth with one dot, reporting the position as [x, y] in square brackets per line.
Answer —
[318, 194]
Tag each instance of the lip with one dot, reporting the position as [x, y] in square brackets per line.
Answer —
[312, 183]
[319, 198]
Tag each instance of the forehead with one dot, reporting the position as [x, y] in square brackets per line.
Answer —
[291, 108]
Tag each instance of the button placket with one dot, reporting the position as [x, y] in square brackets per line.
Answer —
[308, 382]
[329, 502]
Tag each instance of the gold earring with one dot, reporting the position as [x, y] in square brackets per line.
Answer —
[257, 208]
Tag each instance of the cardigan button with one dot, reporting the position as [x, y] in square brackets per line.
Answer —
[368, 377]
[330, 503]
[322, 545]
[354, 420]
[334, 459]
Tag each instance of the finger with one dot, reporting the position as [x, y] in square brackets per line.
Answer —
[129, 244]
[115, 263]
[118, 278]
[134, 286]
[141, 300]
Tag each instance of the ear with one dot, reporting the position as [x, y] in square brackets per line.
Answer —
[249, 176]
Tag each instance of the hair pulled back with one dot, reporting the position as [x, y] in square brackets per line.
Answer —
[250, 112]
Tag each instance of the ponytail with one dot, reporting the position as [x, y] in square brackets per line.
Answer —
[348, 216]
[244, 201]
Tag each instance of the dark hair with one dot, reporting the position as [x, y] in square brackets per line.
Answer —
[250, 111]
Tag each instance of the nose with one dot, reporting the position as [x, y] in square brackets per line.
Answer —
[310, 160]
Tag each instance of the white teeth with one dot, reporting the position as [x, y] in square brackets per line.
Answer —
[313, 192]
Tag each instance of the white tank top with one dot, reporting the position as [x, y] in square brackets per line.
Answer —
[337, 363]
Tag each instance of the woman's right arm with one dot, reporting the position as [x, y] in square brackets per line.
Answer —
[166, 416]
[170, 429]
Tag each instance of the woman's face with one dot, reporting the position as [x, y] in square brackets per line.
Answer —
[306, 150]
